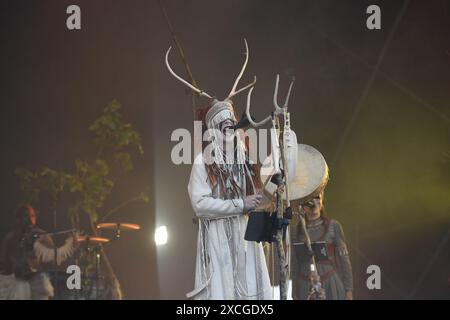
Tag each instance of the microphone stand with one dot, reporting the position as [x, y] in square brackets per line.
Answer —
[56, 233]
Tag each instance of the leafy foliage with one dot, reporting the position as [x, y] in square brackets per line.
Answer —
[91, 180]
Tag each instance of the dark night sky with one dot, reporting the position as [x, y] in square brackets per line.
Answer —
[375, 103]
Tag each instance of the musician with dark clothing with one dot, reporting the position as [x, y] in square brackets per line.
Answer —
[332, 260]
[23, 252]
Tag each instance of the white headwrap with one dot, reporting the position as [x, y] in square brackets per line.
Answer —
[233, 167]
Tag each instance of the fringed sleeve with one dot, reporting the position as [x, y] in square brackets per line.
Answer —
[46, 254]
[202, 200]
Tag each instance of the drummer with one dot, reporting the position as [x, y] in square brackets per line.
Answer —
[22, 253]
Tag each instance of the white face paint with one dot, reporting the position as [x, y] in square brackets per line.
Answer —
[224, 122]
[227, 130]
[228, 146]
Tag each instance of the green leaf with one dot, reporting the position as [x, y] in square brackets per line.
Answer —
[91, 181]
[102, 167]
[124, 159]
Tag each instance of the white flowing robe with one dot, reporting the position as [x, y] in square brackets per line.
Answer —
[227, 266]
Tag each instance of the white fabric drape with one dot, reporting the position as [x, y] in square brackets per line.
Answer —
[227, 266]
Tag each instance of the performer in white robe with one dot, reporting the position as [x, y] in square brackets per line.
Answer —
[223, 187]
[227, 266]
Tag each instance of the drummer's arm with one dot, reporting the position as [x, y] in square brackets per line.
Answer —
[44, 249]
[47, 241]
[44, 238]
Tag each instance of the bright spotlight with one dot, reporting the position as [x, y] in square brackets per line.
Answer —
[161, 235]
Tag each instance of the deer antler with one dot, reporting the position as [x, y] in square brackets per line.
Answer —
[233, 91]
[247, 112]
[201, 92]
[275, 94]
[278, 109]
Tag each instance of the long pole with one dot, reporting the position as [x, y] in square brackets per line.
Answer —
[280, 211]
[283, 268]
[182, 55]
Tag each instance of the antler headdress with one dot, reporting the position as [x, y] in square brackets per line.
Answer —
[216, 103]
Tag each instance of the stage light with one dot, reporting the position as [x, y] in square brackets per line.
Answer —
[161, 235]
